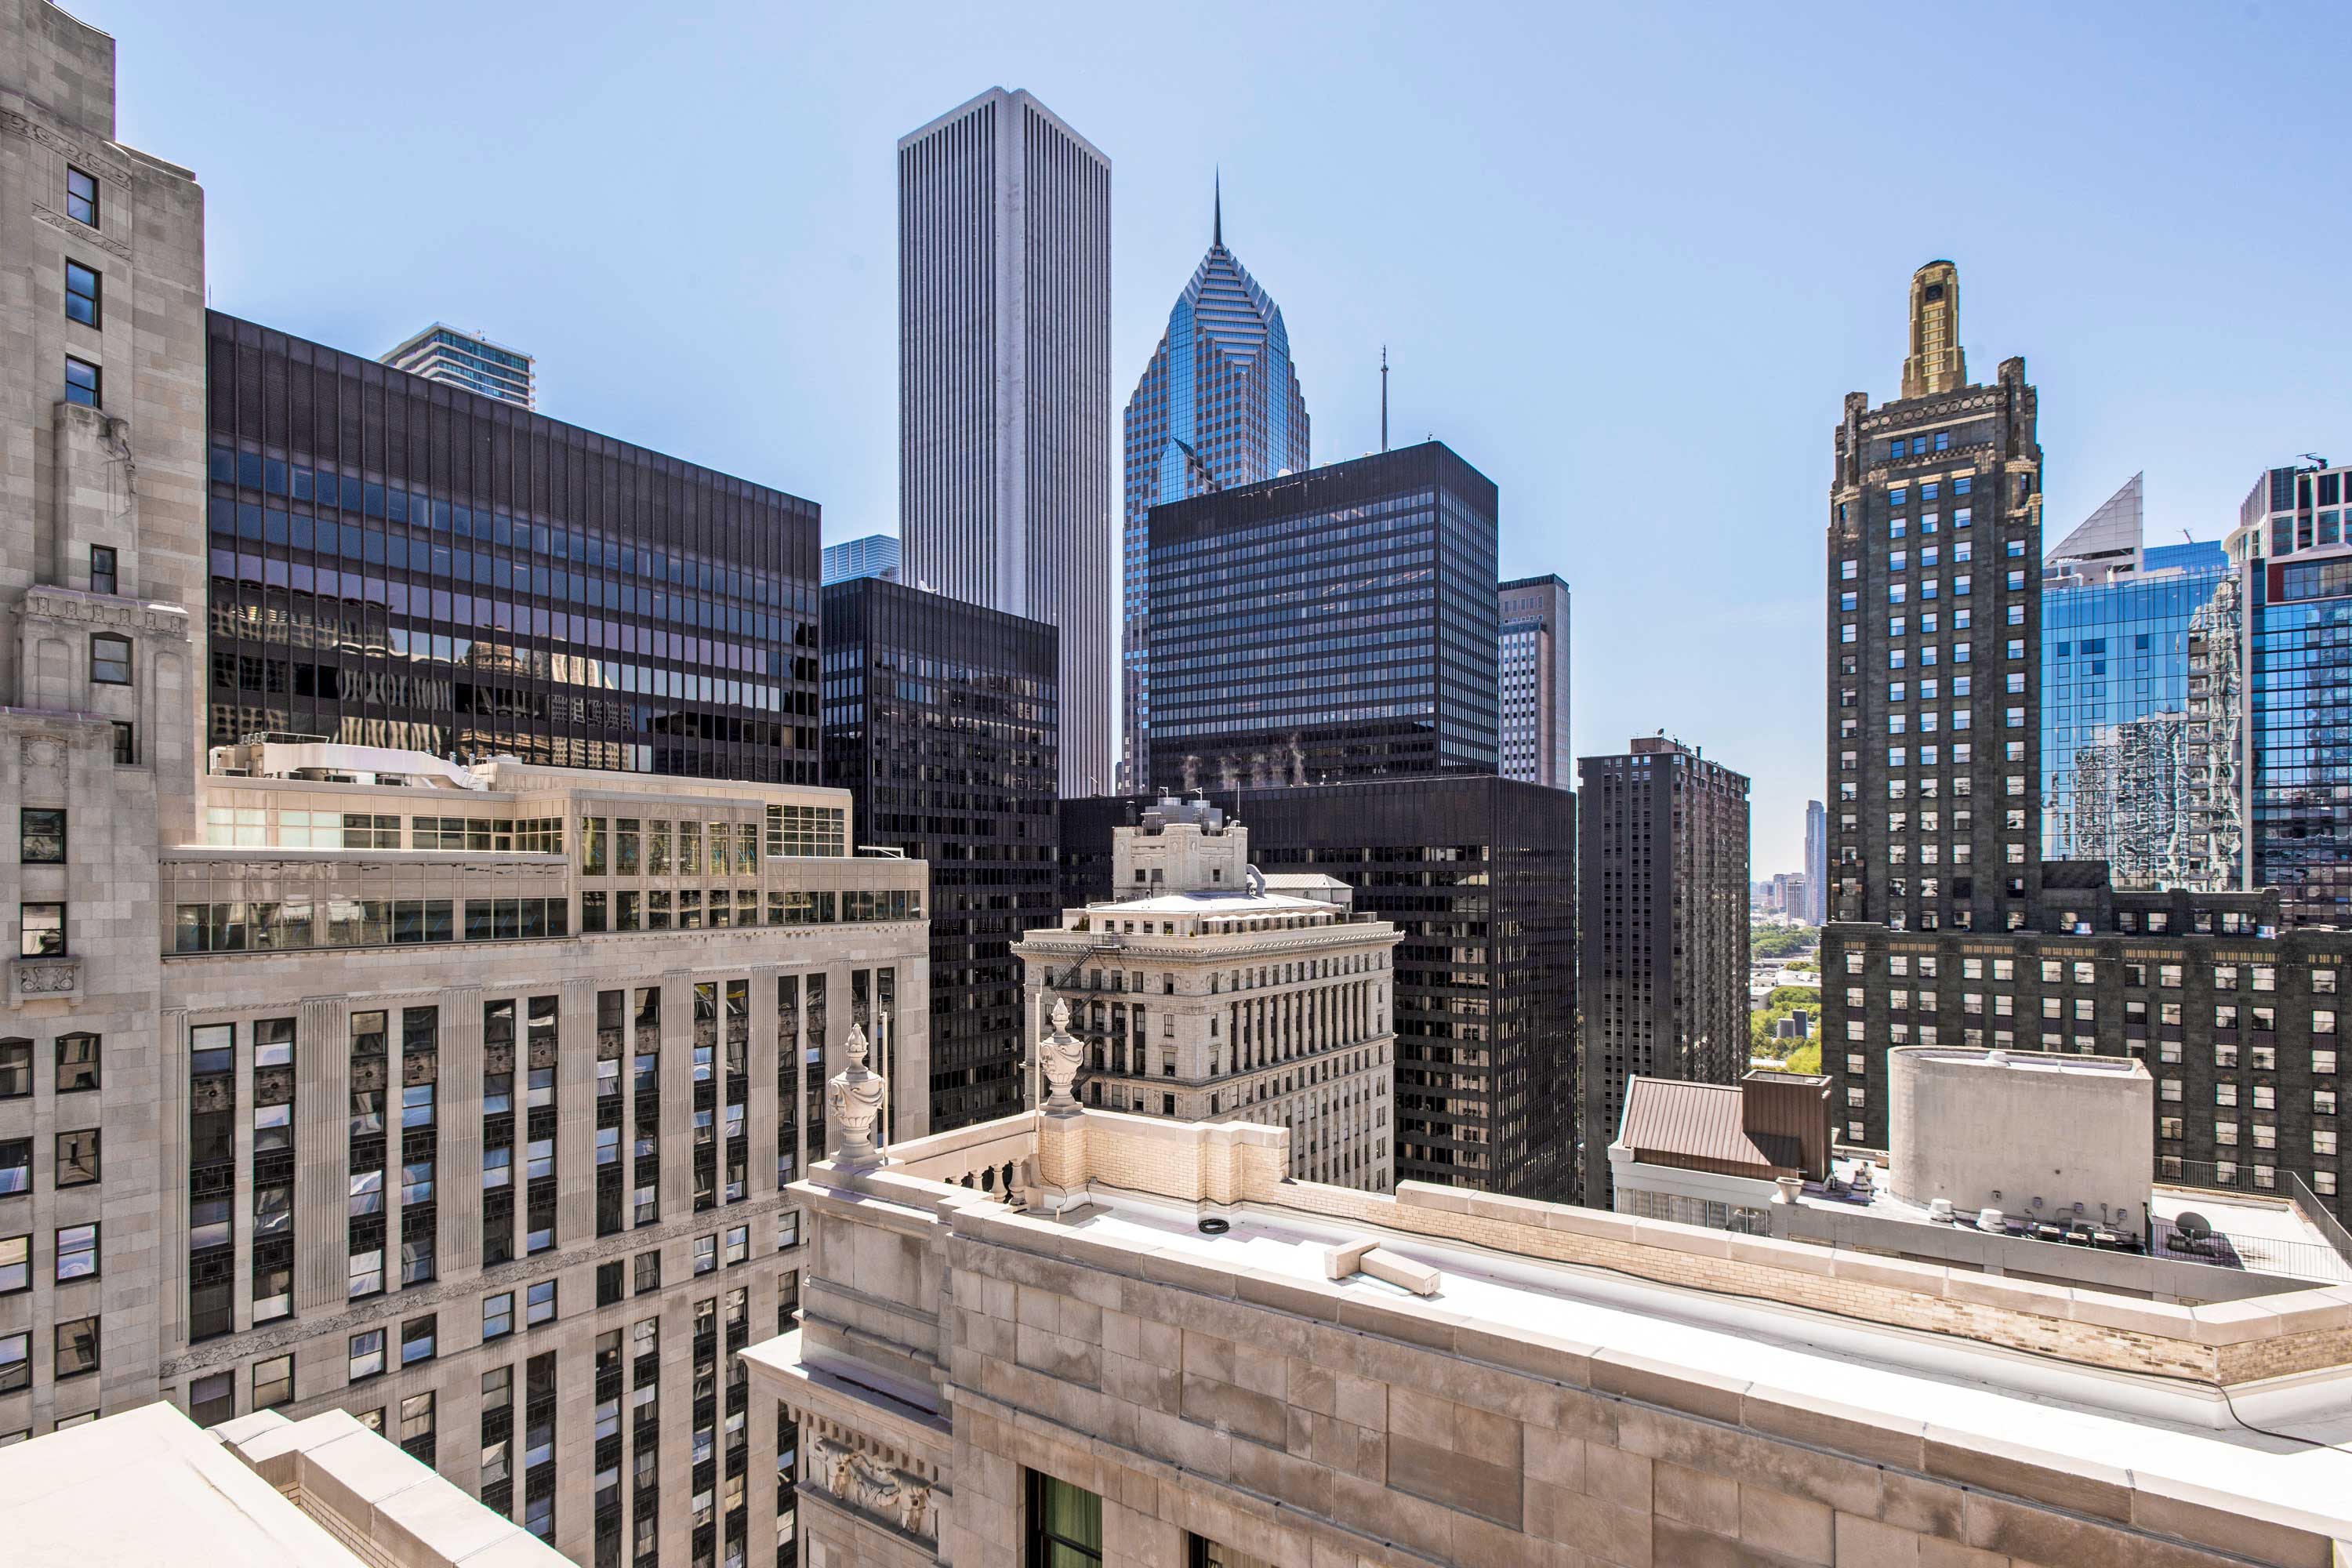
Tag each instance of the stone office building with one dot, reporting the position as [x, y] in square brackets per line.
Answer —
[1947, 926]
[941, 721]
[479, 1090]
[1165, 1349]
[336, 1076]
[1210, 992]
[1479, 875]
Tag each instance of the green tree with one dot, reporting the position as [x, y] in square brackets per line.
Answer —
[1782, 942]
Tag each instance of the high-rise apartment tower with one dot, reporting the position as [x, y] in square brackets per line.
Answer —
[469, 360]
[1004, 387]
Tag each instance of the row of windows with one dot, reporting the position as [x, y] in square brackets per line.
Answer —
[2084, 971]
[75, 1342]
[76, 1064]
[74, 1252]
[76, 1162]
[324, 486]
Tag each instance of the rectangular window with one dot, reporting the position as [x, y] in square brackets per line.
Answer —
[77, 1063]
[83, 289]
[273, 1381]
[103, 576]
[109, 659]
[76, 1345]
[540, 1306]
[365, 1355]
[1065, 1524]
[78, 1158]
[16, 1264]
[43, 932]
[41, 836]
[81, 196]
[83, 382]
[76, 1253]
[15, 1362]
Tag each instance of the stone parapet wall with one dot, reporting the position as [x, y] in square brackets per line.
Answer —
[1285, 1418]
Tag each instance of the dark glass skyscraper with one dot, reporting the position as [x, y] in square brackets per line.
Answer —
[1480, 875]
[1662, 864]
[1333, 625]
[1219, 406]
[400, 562]
[941, 719]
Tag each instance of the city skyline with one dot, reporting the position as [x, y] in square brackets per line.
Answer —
[2070, 270]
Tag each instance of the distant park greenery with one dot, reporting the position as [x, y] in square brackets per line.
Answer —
[1782, 942]
[1783, 1000]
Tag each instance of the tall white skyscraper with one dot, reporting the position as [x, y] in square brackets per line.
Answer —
[1004, 388]
[1532, 659]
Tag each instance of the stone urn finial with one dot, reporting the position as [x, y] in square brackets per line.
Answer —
[854, 1099]
[1059, 1054]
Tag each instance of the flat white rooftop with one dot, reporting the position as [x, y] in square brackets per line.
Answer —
[2178, 1429]
[150, 1487]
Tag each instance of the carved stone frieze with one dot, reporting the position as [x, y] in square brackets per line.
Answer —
[57, 979]
[870, 1478]
[81, 232]
[106, 612]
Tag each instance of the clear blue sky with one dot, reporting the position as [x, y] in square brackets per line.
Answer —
[1626, 260]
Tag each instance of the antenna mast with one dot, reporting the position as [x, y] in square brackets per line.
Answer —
[1384, 397]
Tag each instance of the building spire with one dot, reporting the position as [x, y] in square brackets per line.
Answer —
[1934, 363]
[1217, 223]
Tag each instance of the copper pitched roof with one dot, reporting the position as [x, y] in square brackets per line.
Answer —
[1696, 1126]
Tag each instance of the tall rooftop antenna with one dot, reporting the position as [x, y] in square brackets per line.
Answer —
[1384, 397]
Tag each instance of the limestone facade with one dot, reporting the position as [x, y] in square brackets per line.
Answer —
[294, 1050]
[1202, 994]
[964, 1360]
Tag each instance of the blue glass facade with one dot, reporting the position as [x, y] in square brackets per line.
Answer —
[2299, 681]
[1218, 406]
[2116, 720]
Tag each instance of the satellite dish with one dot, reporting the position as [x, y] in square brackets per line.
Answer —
[2192, 1225]
[1255, 880]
